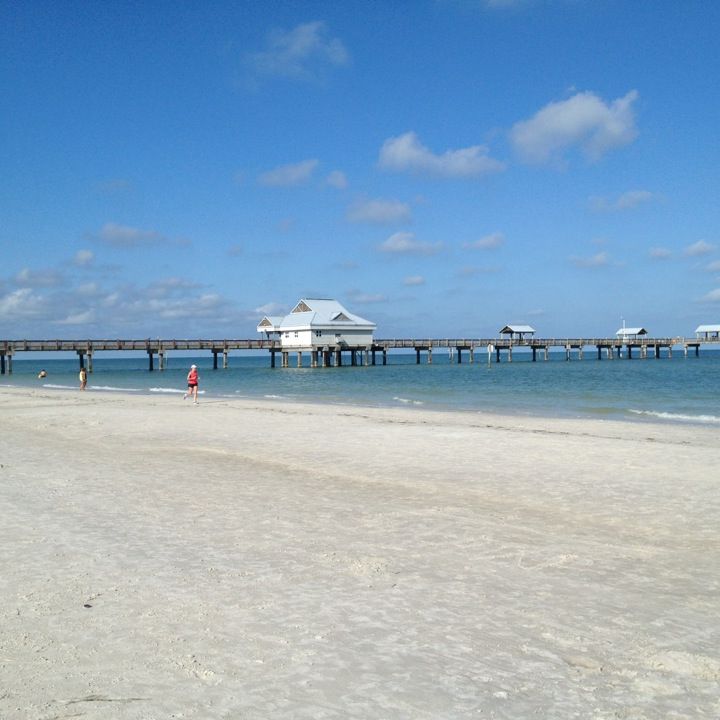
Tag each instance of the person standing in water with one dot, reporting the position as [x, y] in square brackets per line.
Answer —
[192, 381]
[83, 378]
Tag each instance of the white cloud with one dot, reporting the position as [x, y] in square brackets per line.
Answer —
[81, 318]
[488, 242]
[600, 260]
[38, 278]
[271, 308]
[414, 280]
[83, 258]
[712, 296]
[379, 211]
[406, 153]
[469, 271]
[129, 237]
[660, 253]
[21, 304]
[713, 266]
[337, 180]
[626, 201]
[583, 121]
[701, 247]
[404, 243]
[287, 175]
[365, 298]
[300, 53]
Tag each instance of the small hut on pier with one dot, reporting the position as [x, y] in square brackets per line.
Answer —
[630, 333]
[517, 332]
[707, 332]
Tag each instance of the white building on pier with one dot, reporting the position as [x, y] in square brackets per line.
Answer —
[316, 323]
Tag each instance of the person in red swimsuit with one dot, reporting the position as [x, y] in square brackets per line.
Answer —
[192, 381]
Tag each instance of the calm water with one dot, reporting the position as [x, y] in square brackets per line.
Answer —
[673, 390]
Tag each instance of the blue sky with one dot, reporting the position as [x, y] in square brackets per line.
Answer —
[441, 167]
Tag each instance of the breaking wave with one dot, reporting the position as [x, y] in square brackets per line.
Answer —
[678, 417]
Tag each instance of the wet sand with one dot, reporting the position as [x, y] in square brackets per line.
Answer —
[247, 559]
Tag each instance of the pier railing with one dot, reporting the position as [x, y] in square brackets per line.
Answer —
[611, 346]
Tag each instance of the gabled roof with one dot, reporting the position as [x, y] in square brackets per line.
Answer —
[323, 313]
[632, 331]
[707, 328]
[508, 329]
[270, 323]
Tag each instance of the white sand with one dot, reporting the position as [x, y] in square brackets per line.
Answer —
[246, 559]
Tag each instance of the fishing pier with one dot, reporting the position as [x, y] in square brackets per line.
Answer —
[336, 354]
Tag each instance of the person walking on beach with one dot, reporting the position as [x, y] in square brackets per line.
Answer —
[83, 378]
[192, 381]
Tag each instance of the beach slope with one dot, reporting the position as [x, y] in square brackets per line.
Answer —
[248, 559]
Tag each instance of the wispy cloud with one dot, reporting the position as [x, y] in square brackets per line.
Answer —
[658, 253]
[271, 308]
[304, 53]
[599, 260]
[337, 179]
[84, 258]
[380, 212]
[289, 175]
[124, 236]
[406, 153]
[414, 280]
[405, 243]
[85, 317]
[487, 242]
[713, 296]
[701, 247]
[626, 201]
[584, 121]
[471, 271]
[713, 266]
[361, 298]
[38, 278]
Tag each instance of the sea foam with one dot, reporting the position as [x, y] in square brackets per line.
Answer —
[678, 417]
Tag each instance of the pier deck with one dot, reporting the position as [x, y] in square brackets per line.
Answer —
[332, 354]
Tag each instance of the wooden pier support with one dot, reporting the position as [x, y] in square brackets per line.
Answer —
[272, 358]
[6, 363]
[151, 361]
[384, 356]
[430, 355]
[299, 358]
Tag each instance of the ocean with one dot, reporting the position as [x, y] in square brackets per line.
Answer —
[680, 389]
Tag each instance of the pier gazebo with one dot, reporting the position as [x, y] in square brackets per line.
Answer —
[630, 333]
[707, 331]
[517, 332]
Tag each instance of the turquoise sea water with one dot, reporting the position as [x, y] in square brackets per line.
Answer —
[671, 390]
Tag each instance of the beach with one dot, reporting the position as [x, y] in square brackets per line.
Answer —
[267, 559]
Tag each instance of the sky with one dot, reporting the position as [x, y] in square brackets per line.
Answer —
[440, 167]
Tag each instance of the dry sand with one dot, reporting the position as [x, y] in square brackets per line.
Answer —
[247, 559]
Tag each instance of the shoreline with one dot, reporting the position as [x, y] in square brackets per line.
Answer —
[628, 417]
[257, 559]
